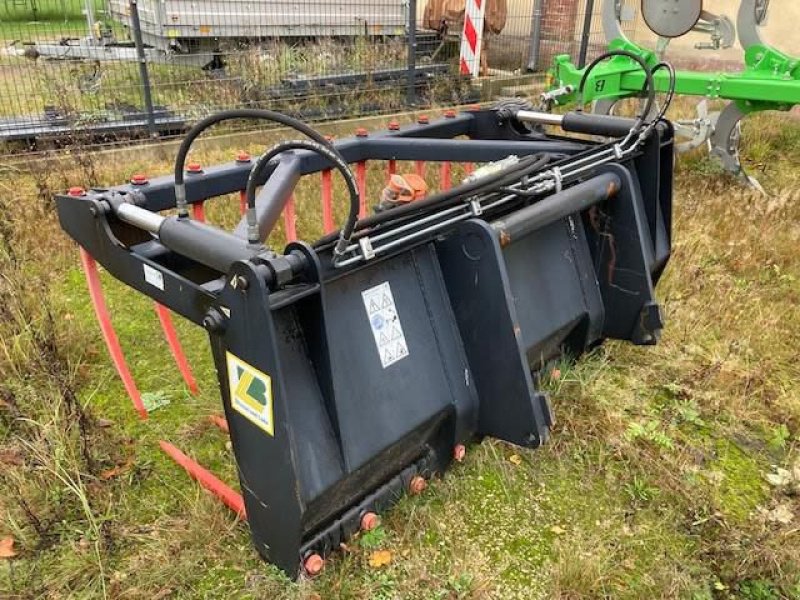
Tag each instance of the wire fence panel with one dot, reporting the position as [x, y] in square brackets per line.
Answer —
[107, 70]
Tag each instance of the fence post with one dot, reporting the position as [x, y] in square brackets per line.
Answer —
[536, 36]
[411, 92]
[143, 74]
[587, 30]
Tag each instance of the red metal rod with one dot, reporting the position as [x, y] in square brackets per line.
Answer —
[445, 177]
[242, 202]
[361, 180]
[220, 422]
[327, 201]
[469, 168]
[109, 335]
[419, 167]
[199, 212]
[391, 169]
[290, 220]
[229, 497]
[165, 318]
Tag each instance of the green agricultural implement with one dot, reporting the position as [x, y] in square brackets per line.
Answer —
[770, 79]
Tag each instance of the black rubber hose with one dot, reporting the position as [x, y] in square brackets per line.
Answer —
[326, 152]
[670, 92]
[497, 180]
[650, 88]
[228, 115]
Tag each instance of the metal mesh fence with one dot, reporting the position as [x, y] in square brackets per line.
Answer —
[117, 69]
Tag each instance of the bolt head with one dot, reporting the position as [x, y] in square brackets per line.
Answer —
[369, 521]
[459, 452]
[313, 565]
[417, 485]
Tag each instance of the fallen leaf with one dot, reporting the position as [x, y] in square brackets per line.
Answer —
[555, 373]
[104, 423]
[116, 471]
[11, 456]
[7, 548]
[781, 514]
[380, 558]
[515, 459]
[154, 400]
[558, 530]
[779, 478]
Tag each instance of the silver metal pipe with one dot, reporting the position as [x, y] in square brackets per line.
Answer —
[543, 118]
[139, 217]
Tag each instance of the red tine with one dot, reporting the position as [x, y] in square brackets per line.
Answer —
[109, 335]
[165, 318]
[391, 168]
[242, 203]
[231, 498]
[419, 167]
[327, 201]
[290, 220]
[199, 212]
[361, 180]
[220, 422]
[445, 176]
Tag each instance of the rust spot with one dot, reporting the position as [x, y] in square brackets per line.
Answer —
[505, 238]
[612, 189]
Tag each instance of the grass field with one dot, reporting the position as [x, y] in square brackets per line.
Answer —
[672, 472]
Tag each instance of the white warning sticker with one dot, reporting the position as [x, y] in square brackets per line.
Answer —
[154, 277]
[385, 323]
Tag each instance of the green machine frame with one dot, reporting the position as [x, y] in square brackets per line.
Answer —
[770, 79]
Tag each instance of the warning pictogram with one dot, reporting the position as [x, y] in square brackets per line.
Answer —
[385, 324]
[251, 393]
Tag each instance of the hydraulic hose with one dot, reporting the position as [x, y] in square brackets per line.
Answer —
[511, 174]
[229, 115]
[326, 152]
[649, 87]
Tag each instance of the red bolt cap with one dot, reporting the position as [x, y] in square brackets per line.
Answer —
[243, 157]
[138, 179]
[423, 119]
[474, 107]
[417, 485]
[394, 126]
[361, 132]
[369, 521]
[76, 191]
[194, 167]
[449, 114]
[459, 452]
[313, 564]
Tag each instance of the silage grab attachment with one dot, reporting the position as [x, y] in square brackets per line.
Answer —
[355, 367]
